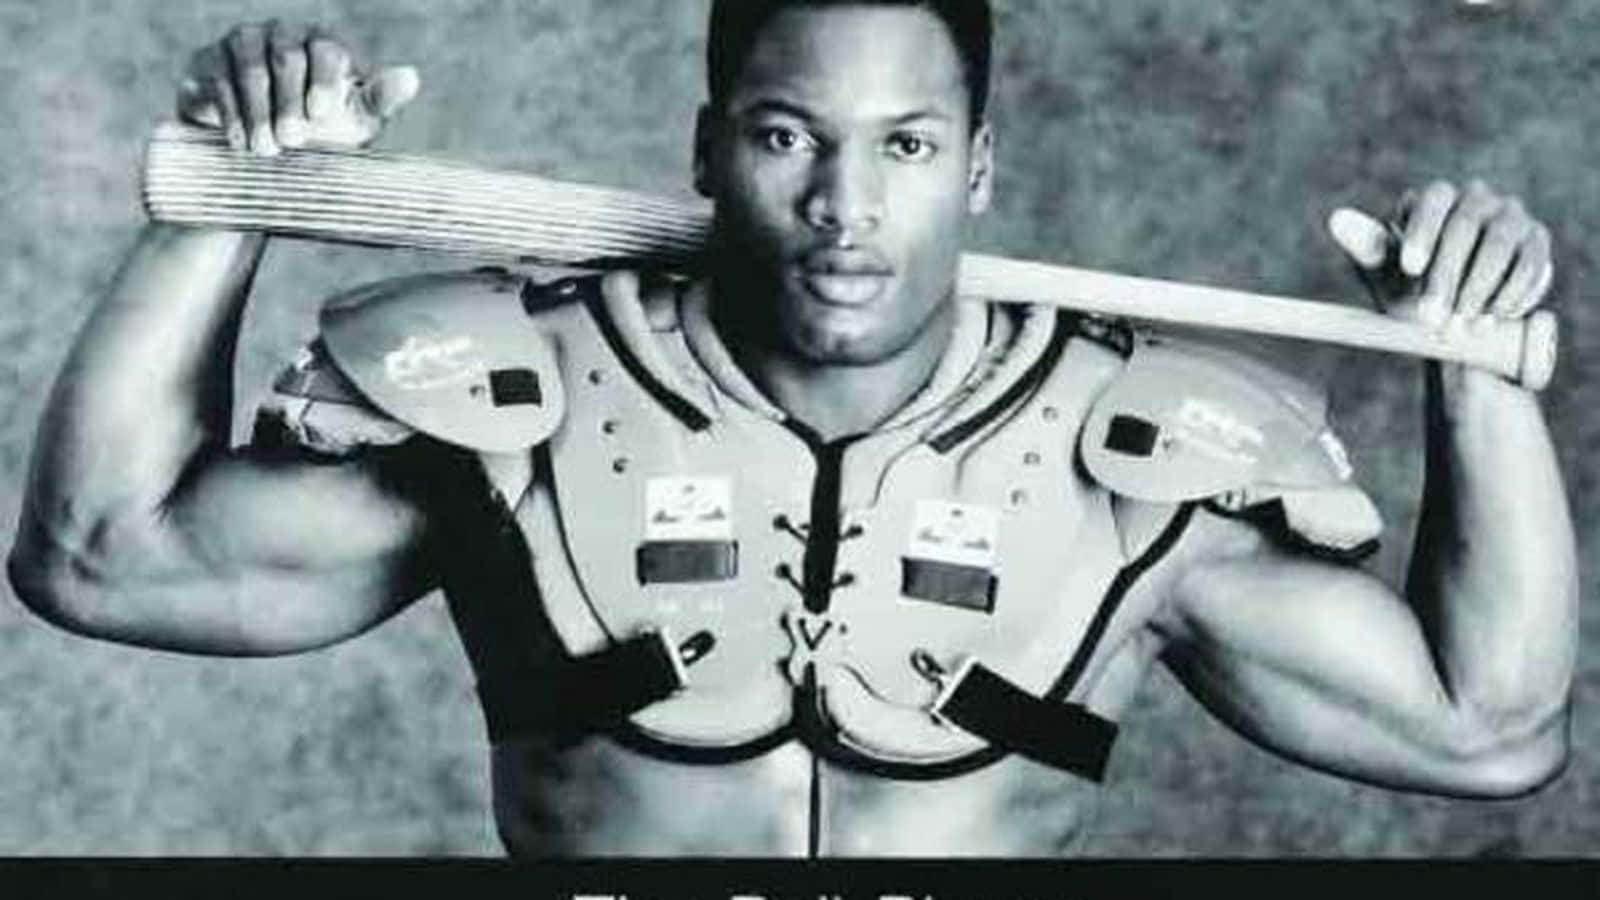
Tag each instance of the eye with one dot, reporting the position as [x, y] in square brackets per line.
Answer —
[911, 147]
[782, 139]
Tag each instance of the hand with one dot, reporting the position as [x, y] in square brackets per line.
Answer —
[273, 85]
[1451, 253]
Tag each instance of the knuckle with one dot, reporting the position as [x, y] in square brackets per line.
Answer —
[280, 42]
[1509, 228]
[1479, 204]
[244, 38]
[327, 47]
[1441, 191]
[287, 58]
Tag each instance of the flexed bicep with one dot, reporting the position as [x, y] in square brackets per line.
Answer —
[1324, 664]
[254, 554]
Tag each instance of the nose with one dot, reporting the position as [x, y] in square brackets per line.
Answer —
[845, 197]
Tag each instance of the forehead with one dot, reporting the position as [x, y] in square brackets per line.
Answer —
[854, 62]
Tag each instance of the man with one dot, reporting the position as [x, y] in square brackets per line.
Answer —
[806, 556]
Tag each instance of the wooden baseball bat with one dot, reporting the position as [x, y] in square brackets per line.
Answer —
[397, 200]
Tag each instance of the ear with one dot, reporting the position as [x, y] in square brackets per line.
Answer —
[980, 170]
[705, 125]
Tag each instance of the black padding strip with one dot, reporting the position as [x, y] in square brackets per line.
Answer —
[948, 584]
[686, 562]
[1132, 436]
[1119, 588]
[515, 387]
[1271, 518]
[1064, 735]
[631, 736]
[952, 437]
[684, 411]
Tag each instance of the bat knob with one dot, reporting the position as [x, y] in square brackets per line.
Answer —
[1539, 339]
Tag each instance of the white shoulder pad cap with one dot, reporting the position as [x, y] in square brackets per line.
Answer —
[1188, 421]
[455, 356]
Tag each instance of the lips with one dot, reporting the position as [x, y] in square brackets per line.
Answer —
[844, 277]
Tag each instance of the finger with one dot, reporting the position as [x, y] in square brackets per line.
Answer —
[1373, 247]
[196, 105]
[1460, 238]
[1424, 224]
[391, 89]
[1502, 238]
[247, 53]
[286, 47]
[1530, 279]
[215, 76]
[1365, 239]
[329, 76]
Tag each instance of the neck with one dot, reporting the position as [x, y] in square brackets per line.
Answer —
[838, 400]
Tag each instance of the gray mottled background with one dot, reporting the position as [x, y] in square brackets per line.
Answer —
[1180, 138]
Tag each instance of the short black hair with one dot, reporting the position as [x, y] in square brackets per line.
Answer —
[736, 23]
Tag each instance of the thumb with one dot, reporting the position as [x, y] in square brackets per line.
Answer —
[1366, 240]
[1374, 248]
[389, 89]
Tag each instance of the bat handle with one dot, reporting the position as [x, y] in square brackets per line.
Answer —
[1522, 351]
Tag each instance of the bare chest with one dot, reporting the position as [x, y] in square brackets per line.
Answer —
[598, 799]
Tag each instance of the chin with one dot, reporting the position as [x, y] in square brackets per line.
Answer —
[824, 342]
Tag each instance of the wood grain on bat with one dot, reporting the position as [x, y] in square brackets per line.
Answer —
[391, 199]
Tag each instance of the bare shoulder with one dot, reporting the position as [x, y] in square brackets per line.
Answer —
[257, 552]
[1233, 576]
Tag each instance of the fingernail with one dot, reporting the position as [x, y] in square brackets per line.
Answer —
[261, 141]
[1412, 261]
[292, 131]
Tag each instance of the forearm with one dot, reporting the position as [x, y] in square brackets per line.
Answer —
[145, 392]
[1494, 570]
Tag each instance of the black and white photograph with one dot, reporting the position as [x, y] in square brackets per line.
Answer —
[774, 430]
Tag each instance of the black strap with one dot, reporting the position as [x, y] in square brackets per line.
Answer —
[527, 681]
[1065, 735]
[1062, 330]
[576, 696]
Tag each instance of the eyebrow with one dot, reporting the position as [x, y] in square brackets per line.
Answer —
[785, 107]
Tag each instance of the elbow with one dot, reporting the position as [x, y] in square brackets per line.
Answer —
[57, 587]
[1507, 767]
[41, 582]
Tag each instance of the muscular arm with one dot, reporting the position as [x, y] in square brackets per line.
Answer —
[140, 524]
[1461, 685]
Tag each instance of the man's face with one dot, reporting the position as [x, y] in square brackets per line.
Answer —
[844, 170]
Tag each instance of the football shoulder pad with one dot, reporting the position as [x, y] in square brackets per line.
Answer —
[458, 356]
[1187, 421]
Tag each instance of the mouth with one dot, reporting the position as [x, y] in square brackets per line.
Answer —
[844, 277]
